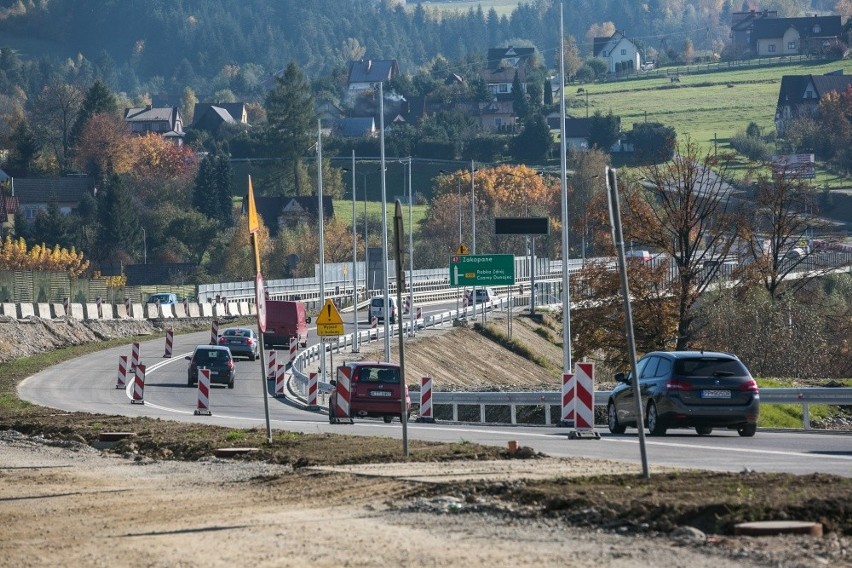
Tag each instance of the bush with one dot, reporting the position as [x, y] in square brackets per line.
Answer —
[755, 148]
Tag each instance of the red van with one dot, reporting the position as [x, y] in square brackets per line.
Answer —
[283, 321]
[374, 391]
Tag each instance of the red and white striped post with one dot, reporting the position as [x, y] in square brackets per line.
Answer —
[567, 399]
[170, 337]
[134, 356]
[426, 400]
[270, 364]
[121, 379]
[313, 391]
[203, 405]
[374, 324]
[280, 379]
[214, 332]
[139, 386]
[341, 411]
[584, 399]
[419, 314]
[294, 345]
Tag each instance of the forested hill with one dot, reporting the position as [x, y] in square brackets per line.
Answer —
[165, 45]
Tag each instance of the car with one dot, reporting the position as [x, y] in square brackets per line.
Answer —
[643, 255]
[374, 389]
[377, 308]
[241, 341]
[485, 295]
[218, 359]
[163, 298]
[687, 389]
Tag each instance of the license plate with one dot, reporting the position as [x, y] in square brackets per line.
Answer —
[380, 393]
[715, 394]
[214, 373]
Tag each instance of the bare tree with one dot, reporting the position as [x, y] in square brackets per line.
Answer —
[683, 209]
[53, 117]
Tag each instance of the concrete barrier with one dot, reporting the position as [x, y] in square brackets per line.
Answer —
[180, 311]
[10, 309]
[138, 311]
[43, 310]
[243, 308]
[91, 310]
[58, 310]
[220, 310]
[77, 311]
[121, 311]
[27, 310]
[167, 311]
[207, 310]
[194, 311]
[107, 311]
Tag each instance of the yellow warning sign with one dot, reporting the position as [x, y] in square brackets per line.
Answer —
[329, 322]
[462, 249]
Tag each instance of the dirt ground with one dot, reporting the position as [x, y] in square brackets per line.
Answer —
[65, 500]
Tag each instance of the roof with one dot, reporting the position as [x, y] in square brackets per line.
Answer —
[517, 56]
[372, 70]
[690, 354]
[504, 75]
[577, 127]
[271, 208]
[357, 127]
[741, 21]
[3, 176]
[815, 26]
[793, 87]
[600, 43]
[150, 114]
[220, 112]
[41, 190]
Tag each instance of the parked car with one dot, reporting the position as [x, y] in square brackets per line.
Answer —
[241, 341]
[377, 308]
[374, 391]
[687, 389]
[163, 298]
[218, 359]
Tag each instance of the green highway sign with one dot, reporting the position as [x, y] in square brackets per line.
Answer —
[482, 270]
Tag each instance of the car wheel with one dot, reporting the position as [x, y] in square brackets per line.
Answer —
[655, 427]
[703, 430]
[747, 431]
[252, 357]
[331, 418]
[612, 420]
[231, 384]
[387, 419]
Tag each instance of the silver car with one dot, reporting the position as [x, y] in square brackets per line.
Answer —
[242, 341]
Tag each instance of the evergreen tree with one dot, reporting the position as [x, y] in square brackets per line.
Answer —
[120, 235]
[534, 142]
[603, 131]
[51, 226]
[99, 99]
[290, 120]
[519, 98]
[223, 176]
[548, 93]
[204, 192]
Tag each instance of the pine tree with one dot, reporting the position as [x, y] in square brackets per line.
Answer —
[98, 99]
[519, 98]
[120, 231]
[224, 190]
[204, 192]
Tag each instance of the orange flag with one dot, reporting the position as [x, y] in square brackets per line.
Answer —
[253, 221]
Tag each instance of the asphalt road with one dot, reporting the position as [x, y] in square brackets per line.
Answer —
[87, 384]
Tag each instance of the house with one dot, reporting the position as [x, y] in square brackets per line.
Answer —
[799, 95]
[621, 54]
[358, 127]
[165, 121]
[742, 24]
[578, 130]
[366, 74]
[500, 81]
[210, 116]
[496, 116]
[34, 194]
[277, 212]
[514, 57]
[795, 36]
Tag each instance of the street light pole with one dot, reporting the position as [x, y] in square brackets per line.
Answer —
[566, 291]
[410, 253]
[384, 223]
[144, 247]
[355, 347]
[473, 227]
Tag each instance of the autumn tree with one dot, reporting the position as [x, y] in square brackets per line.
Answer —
[573, 59]
[683, 209]
[98, 100]
[105, 147]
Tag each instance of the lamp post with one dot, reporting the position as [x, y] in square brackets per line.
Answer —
[144, 247]
[530, 239]
[563, 166]
[580, 92]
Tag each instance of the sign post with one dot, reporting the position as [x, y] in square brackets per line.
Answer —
[482, 270]
[329, 323]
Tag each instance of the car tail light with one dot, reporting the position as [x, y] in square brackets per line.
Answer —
[222, 340]
[749, 386]
[230, 363]
[250, 341]
[678, 385]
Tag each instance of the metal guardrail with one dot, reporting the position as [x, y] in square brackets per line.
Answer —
[832, 396]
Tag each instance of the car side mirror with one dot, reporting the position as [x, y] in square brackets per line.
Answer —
[308, 319]
[621, 377]
[333, 382]
[188, 358]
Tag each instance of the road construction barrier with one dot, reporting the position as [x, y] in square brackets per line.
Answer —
[138, 394]
[203, 405]
[584, 398]
[270, 364]
[134, 356]
[313, 390]
[121, 379]
[419, 313]
[567, 415]
[170, 337]
[341, 409]
[294, 345]
[425, 400]
[214, 332]
[280, 380]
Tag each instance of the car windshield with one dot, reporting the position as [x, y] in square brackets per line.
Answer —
[237, 332]
[379, 375]
[709, 367]
[210, 355]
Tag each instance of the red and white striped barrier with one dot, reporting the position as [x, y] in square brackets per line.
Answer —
[313, 390]
[134, 356]
[280, 380]
[425, 400]
[270, 364]
[121, 379]
[406, 306]
[584, 397]
[419, 314]
[341, 410]
[568, 383]
[203, 405]
[294, 346]
[214, 332]
[138, 393]
[170, 338]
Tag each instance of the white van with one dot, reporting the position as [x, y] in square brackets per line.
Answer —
[377, 308]
[485, 295]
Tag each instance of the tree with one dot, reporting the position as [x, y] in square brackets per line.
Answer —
[98, 100]
[54, 114]
[51, 226]
[571, 52]
[534, 142]
[120, 237]
[520, 106]
[683, 209]
[290, 120]
[652, 142]
[604, 131]
[105, 147]
[22, 159]
[548, 93]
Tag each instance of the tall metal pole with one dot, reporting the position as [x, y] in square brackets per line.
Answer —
[355, 346]
[321, 224]
[566, 291]
[384, 223]
[473, 228]
[410, 252]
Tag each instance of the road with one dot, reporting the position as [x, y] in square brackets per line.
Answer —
[87, 384]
